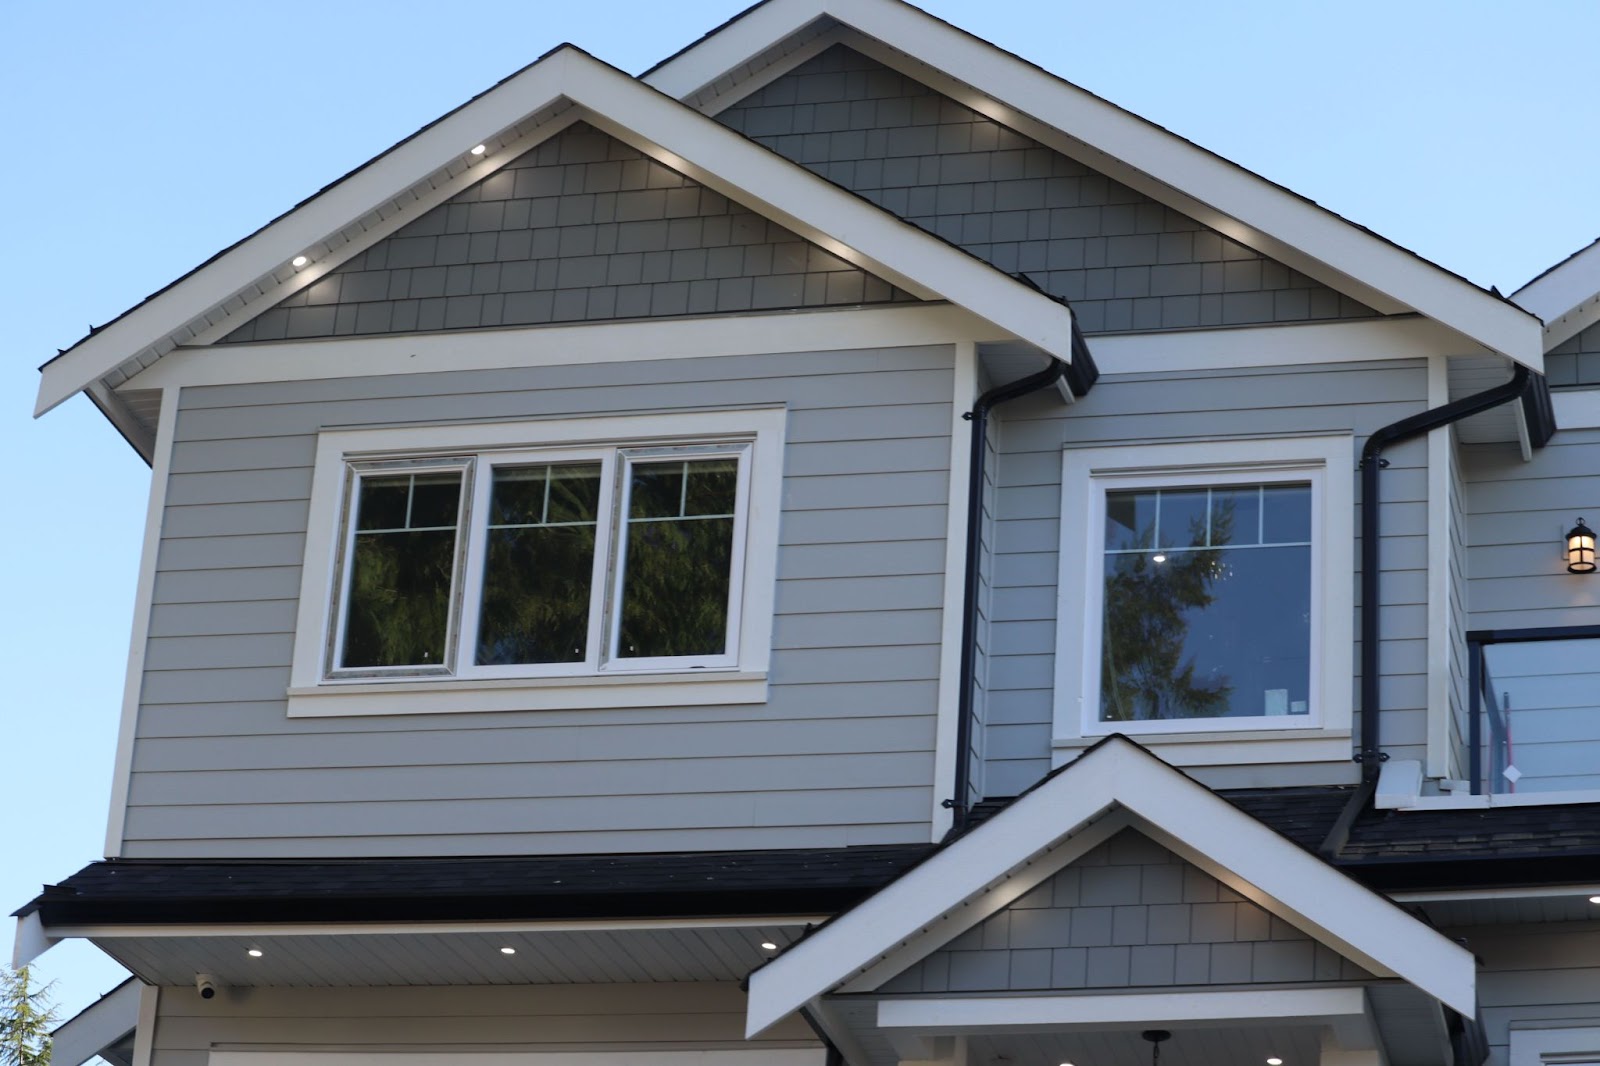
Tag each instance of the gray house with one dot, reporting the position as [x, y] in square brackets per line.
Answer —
[846, 549]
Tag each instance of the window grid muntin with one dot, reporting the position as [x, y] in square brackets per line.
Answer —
[466, 598]
[355, 472]
[1264, 474]
[626, 459]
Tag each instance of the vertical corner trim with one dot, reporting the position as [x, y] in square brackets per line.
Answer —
[133, 684]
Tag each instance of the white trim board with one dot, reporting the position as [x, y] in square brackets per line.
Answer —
[1567, 1044]
[1173, 810]
[1312, 343]
[1217, 192]
[947, 1015]
[759, 1056]
[138, 639]
[1567, 296]
[1576, 408]
[670, 132]
[782, 332]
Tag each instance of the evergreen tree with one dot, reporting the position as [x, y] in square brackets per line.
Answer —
[25, 1020]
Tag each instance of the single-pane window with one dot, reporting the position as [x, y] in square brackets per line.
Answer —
[539, 564]
[678, 558]
[402, 570]
[1207, 603]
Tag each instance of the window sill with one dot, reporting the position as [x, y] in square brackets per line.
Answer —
[1230, 748]
[455, 696]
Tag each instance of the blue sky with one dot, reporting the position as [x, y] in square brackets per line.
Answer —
[144, 138]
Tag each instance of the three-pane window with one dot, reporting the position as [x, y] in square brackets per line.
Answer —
[547, 563]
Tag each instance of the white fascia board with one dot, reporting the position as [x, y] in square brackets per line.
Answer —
[658, 125]
[771, 333]
[945, 1015]
[756, 1056]
[1102, 127]
[1566, 297]
[257, 930]
[1172, 809]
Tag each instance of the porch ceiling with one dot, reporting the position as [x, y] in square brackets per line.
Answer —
[352, 958]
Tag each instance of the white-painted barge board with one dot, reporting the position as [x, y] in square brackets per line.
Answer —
[133, 677]
[1172, 809]
[905, 325]
[1207, 187]
[939, 1015]
[677, 136]
[1567, 296]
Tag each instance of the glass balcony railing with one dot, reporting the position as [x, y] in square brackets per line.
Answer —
[1535, 710]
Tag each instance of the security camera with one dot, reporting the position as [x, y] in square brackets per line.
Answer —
[206, 985]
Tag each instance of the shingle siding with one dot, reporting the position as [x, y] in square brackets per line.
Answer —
[582, 228]
[1575, 361]
[1129, 913]
[1125, 261]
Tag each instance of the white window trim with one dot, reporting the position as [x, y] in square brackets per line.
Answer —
[738, 677]
[1551, 1047]
[1328, 461]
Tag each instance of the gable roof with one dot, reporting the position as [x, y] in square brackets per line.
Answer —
[1113, 784]
[564, 86]
[1567, 296]
[729, 62]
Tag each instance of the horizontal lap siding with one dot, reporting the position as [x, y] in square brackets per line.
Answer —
[1517, 513]
[1535, 977]
[1150, 408]
[550, 1017]
[841, 752]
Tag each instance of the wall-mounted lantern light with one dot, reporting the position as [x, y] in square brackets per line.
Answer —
[1580, 549]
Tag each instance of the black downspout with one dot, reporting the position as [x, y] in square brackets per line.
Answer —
[1371, 756]
[979, 417]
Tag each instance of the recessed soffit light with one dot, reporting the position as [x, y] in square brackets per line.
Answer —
[300, 261]
[508, 951]
[1594, 899]
[1274, 1061]
[767, 945]
[479, 149]
[254, 953]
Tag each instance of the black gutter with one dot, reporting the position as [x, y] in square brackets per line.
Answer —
[1371, 756]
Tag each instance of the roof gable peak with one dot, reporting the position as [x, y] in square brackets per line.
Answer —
[1111, 786]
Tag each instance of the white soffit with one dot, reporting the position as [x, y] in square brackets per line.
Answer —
[1113, 783]
[1241, 204]
[670, 132]
[1566, 297]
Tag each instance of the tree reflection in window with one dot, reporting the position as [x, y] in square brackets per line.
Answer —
[678, 558]
[402, 570]
[1207, 602]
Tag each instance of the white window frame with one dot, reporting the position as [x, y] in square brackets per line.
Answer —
[737, 675]
[1327, 462]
